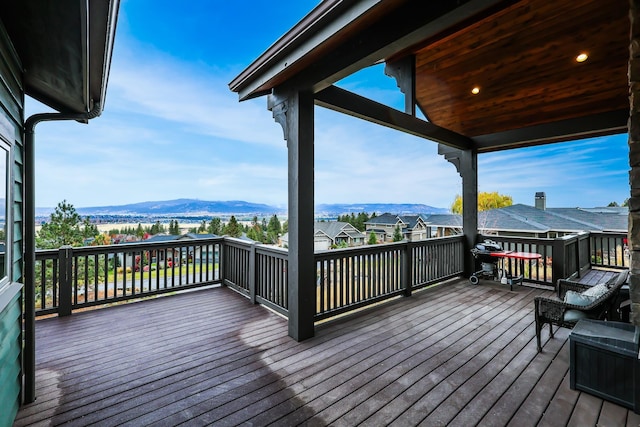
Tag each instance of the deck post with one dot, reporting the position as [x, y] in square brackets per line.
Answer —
[294, 110]
[65, 277]
[252, 273]
[469, 174]
[634, 160]
[466, 162]
[406, 267]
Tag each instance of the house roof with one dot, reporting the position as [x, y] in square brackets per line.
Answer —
[525, 218]
[65, 49]
[528, 218]
[334, 228]
[443, 220]
[385, 219]
[521, 54]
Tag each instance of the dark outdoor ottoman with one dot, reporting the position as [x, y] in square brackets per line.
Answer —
[604, 361]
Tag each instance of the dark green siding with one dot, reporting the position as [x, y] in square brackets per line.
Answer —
[11, 131]
[10, 344]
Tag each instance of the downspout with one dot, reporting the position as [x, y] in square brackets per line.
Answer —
[29, 250]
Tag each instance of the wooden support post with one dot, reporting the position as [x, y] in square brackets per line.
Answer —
[252, 273]
[558, 261]
[407, 262]
[294, 110]
[634, 161]
[466, 163]
[469, 174]
[65, 276]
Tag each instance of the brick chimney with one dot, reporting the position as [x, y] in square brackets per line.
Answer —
[541, 200]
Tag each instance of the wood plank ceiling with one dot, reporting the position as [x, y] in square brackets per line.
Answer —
[523, 60]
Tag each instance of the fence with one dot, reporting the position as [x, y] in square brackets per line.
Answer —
[346, 279]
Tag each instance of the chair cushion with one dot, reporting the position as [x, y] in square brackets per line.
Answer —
[596, 291]
[576, 298]
[618, 279]
[574, 315]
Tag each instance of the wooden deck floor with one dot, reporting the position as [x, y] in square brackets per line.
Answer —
[457, 354]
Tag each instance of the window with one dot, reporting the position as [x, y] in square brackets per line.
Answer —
[5, 230]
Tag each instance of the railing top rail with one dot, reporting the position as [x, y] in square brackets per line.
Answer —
[141, 246]
[273, 250]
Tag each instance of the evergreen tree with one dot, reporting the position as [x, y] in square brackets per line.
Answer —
[233, 229]
[397, 234]
[215, 226]
[274, 228]
[62, 229]
[88, 229]
[285, 226]
[174, 228]
[372, 239]
[203, 227]
[139, 231]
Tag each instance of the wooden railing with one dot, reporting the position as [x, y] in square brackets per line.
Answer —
[346, 279]
[609, 250]
[567, 256]
[536, 271]
[349, 279]
[72, 278]
[257, 271]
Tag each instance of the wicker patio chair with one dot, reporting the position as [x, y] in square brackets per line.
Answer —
[557, 312]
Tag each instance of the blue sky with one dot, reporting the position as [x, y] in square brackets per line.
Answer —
[171, 129]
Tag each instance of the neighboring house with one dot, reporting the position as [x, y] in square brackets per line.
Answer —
[171, 255]
[412, 227]
[536, 221]
[442, 225]
[329, 234]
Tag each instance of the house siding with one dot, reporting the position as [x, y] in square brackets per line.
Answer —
[11, 131]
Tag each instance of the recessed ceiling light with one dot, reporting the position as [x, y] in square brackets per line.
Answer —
[582, 57]
[475, 90]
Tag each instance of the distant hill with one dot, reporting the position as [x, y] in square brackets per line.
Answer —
[238, 207]
[184, 206]
[379, 208]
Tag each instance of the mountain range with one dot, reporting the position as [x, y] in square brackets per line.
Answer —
[242, 208]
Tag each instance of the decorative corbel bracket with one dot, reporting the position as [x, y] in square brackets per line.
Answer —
[278, 107]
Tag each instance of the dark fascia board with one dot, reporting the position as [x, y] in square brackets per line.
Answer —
[343, 101]
[408, 24]
[102, 33]
[608, 123]
[324, 21]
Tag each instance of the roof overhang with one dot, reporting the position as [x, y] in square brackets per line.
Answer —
[65, 47]
[520, 53]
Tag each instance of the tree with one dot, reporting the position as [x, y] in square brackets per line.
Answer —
[174, 228]
[102, 239]
[397, 234]
[486, 201]
[62, 229]
[215, 226]
[203, 227]
[274, 228]
[139, 231]
[88, 229]
[233, 228]
[613, 205]
[372, 239]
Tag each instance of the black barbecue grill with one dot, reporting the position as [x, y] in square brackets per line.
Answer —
[482, 252]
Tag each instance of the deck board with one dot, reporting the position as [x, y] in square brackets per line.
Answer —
[456, 354]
